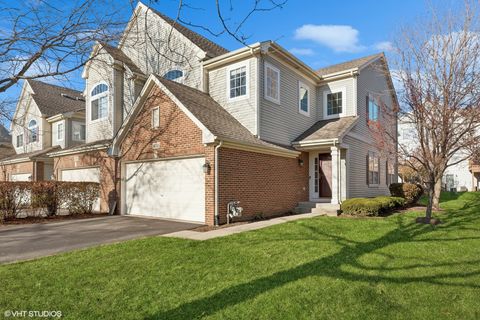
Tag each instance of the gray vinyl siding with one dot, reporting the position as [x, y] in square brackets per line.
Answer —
[168, 50]
[100, 70]
[282, 123]
[244, 109]
[349, 102]
[371, 80]
[357, 170]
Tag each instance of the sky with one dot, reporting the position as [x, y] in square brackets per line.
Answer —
[320, 33]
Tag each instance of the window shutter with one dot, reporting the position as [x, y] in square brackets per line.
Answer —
[367, 162]
[386, 172]
[367, 108]
[379, 169]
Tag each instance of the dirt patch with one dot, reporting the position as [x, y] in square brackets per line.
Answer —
[432, 221]
[32, 220]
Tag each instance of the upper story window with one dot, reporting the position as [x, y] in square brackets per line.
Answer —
[78, 131]
[99, 102]
[32, 131]
[237, 77]
[334, 103]
[60, 131]
[272, 83]
[175, 75]
[20, 140]
[373, 165]
[303, 99]
[156, 117]
[372, 109]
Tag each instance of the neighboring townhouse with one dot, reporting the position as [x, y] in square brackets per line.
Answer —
[177, 127]
[6, 147]
[462, 176]
[47, 117]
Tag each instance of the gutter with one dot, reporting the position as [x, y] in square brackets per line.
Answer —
[79, 150]
[216, 215]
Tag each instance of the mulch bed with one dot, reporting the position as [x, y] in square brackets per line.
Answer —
[33, 220]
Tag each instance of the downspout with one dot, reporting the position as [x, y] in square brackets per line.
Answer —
[216, 215]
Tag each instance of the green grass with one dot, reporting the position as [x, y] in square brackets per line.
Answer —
[330, 268]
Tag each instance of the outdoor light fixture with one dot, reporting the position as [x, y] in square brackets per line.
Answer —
[300, 162]
[206, 167]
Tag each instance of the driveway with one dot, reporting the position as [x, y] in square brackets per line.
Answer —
[36, 240]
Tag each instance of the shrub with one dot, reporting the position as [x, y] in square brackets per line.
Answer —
[13, 197]
[371, 206]
[78, 197]
[409, 191]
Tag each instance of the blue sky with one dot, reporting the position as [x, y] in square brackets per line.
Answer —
[319, 32]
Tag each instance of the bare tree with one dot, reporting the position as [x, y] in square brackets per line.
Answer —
[437, 65]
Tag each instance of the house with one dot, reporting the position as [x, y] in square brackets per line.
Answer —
[6, 148]
[463, 175]
[177, 126]
[47, 117]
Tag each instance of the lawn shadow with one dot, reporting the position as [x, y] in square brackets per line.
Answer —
[334, 266]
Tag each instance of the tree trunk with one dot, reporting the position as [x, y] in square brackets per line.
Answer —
[436, 194]
[431, 192]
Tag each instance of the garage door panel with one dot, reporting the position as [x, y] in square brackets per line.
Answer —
[20, 177]
[172, 189]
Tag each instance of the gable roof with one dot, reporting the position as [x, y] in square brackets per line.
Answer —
[328, 129]
[53, 100]
[211, 48]
[352, 64]
[119, 55]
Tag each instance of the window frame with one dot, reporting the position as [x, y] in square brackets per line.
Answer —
[235, 66]
[98, 96]
[21, 140]
[265, 83]
[57, 127]
[74, 123]
[300, 85]
[343, 90]
[156, 109]
[373, 100]
[370, 177]
[32, 131]
[178, 79]
[389, 175]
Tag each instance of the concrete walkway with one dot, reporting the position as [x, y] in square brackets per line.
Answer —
[195, 235]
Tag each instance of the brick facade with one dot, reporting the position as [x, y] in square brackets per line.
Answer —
[88, 160]
[34, 168]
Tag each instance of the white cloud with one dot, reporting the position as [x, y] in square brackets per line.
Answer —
[302, 51]
[383, 46]
[340, 38]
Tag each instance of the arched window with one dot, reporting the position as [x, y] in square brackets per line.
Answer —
[175, 75]
[32, 131]
[99, 101]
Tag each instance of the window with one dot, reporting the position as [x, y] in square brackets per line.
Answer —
[390, 170]
[303, 99]
[175, 75]
[78, 131]
[373, 166]
[372, 109]
[156, 117]
[99, 102]
[32, 131]
[237, 81]
[334, 103]
[272, 83]
[60, 131]
[19, 140]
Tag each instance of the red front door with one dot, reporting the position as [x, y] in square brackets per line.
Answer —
[325, 175]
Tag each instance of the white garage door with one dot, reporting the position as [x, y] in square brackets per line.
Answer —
[81, 175]
[173, 189]
[20, 177]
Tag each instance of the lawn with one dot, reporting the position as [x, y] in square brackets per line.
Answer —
[330, 268]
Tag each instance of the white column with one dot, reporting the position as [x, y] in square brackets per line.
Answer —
[335, 152]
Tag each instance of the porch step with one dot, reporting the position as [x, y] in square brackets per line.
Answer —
[327, 209]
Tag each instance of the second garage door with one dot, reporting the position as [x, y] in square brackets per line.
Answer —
[173, 189]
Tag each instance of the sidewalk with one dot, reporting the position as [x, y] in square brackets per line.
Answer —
[196, 235]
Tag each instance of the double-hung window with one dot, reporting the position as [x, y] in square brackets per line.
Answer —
[20, 140]
[237, 76]
[372, 109]
[156, 117]
[272, 83]
[99, 102]
[334, 103]
[60, 131]
[373, 167]
[303, 99]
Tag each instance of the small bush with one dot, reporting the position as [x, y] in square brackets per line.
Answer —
[409, 191]
[78, 197]
[13, 197]
[371, 206]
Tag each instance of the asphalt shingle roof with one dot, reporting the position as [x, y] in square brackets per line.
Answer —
[33, 154]
[53, 100]
[328, 129]
[119, 55]
[215, 118]
[347, 65]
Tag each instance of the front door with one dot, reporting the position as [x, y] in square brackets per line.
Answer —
[324, 175]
